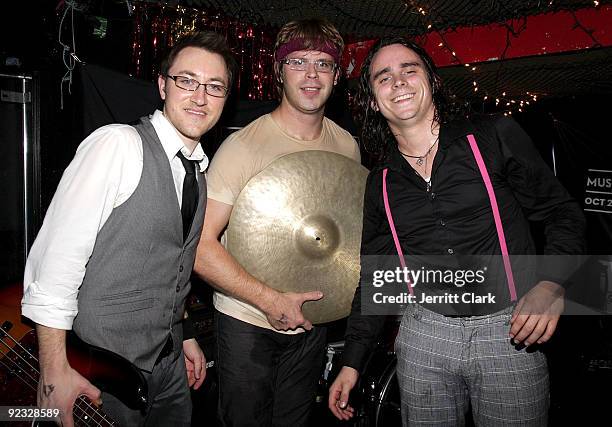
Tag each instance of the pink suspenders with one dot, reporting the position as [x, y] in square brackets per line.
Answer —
[498, 224]
[392, 225]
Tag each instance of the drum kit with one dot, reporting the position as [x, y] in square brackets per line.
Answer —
[296, 226]
[376, 396]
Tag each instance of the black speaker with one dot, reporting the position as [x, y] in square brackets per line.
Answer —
[20, 171]
[201, 312]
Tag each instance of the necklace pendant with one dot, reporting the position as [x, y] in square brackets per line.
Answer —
[419, 161]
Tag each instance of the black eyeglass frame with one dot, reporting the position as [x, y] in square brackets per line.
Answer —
[206, 86]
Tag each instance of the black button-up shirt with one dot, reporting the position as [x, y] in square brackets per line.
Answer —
[455, 217]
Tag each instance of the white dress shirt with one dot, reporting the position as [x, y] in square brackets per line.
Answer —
[104, 173]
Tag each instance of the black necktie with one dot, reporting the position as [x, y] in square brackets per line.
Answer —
[190, 193]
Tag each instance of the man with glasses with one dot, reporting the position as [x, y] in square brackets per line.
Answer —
[269, 356]
[113, 258]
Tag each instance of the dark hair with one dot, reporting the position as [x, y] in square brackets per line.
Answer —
[374, 130]
[207, 40]
[314, 31]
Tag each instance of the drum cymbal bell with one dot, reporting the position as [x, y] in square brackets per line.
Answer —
[296, 226]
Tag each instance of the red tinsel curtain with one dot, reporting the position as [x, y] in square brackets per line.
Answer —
[157, 27]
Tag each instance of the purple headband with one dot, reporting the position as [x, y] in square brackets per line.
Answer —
[300, 44]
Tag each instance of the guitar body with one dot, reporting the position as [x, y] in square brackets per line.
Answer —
[109, 372]
[19, 373]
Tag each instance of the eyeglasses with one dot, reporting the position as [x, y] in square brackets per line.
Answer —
[301, 64]
[187, 83]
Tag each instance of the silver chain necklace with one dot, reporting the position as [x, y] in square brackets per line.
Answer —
[420, 159]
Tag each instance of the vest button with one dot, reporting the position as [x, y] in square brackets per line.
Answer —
[178, 288]
[174, 310]
[450, 251]
[181, 268]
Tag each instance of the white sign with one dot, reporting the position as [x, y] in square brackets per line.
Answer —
[598, 191]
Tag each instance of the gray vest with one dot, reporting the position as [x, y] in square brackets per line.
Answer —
[137, 279]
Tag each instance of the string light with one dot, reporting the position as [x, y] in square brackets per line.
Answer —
[516, 103]
[158, 26]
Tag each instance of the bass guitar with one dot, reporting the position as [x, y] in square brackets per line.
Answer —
[19, 368]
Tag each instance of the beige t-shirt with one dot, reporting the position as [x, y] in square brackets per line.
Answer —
[243, 155]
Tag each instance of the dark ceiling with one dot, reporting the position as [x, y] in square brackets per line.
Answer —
[363, 19]
[559, 75]
[555, 75]
[587, 72]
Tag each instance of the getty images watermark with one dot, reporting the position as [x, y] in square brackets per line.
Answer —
[475, 284]
[428, 277]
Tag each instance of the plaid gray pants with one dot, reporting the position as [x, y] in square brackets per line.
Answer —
[445, 363]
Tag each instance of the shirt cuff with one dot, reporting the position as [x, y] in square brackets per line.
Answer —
[48, 310]
[355, 355]
[558, 269]
[188, 329]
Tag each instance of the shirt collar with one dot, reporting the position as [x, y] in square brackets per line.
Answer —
[456, 129]
[449, 133]
[172, 143]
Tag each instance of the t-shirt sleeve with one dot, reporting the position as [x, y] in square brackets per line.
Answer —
[346, 143]
[357, 153]
[227, 171]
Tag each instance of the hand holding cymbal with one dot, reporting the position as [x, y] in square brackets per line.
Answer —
[296, 226]
[286, 310]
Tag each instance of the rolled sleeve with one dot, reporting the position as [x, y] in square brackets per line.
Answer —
[103, 174]
[49, 309]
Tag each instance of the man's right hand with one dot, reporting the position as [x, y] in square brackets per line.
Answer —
[285, 310]
[339, 393]
[59, 388]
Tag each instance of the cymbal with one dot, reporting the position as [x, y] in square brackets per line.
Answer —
[296, 226]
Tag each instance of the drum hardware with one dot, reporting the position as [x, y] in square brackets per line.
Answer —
[332, 353]
[296, 226]
[332, 350]
[380, 390]
[376, 395]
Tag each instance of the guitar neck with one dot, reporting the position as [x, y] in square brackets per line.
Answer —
[18, 359]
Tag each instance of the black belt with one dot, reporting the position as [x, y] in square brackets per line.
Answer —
[166, 351]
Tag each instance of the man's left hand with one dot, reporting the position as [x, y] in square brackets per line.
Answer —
[195, 362]
[536, 315]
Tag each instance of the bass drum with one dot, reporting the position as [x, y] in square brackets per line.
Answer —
[380, 391]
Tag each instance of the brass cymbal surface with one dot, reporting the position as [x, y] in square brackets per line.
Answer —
[296, 226]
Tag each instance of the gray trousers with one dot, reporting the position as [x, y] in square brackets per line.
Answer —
[169, 397]
[446, 363]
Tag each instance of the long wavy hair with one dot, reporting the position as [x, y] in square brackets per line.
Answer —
[374, 131]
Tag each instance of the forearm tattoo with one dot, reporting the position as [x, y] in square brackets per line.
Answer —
[48, 389]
